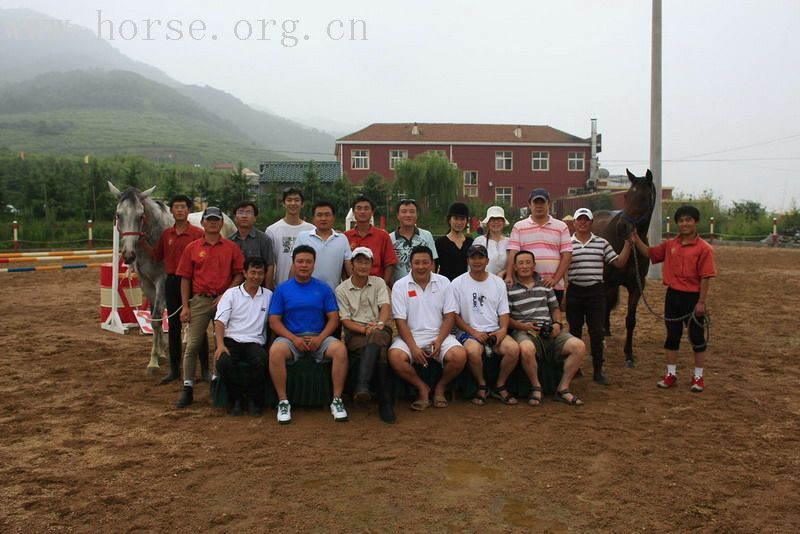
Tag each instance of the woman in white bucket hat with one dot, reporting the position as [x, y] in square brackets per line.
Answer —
[494, 240]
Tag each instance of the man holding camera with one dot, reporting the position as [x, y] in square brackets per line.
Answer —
[536, 326]
[483, 317]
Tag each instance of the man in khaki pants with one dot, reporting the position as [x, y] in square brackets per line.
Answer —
[208, 267]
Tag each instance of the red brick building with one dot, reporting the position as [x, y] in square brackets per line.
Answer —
[500, 163]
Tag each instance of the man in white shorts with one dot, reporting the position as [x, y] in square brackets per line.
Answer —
[423, 308]
[483, 319]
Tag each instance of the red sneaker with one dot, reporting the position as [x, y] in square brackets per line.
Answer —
[697, 384]
[668, 381]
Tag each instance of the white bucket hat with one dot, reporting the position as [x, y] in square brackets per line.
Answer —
[495, 211]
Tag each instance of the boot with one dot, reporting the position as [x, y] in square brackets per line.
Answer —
[174, 369]
[187, 397]
[599, 377]
[366, 367]
[385, 394]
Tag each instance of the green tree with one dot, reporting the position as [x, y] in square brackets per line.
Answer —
[235, 188]
[429, 178]
[748, 210]
[171, 184]
[374, 187]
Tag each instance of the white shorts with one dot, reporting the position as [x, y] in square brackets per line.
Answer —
[448, 343]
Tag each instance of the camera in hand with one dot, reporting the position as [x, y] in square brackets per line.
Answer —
[545, 328]
[491, 341]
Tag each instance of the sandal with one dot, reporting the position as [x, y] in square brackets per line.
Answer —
[533, 399]
[440, 402]
[420, 405]
[506, 399]
[478, 399]
[560, 396]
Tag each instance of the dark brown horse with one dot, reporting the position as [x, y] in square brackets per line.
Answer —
[616, 226]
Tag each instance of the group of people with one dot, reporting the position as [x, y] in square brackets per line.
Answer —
[305, 290]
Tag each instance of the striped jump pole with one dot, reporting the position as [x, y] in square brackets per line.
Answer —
[49, 268]
[28, 259]
[54, 253]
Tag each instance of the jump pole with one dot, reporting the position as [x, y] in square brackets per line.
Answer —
[113, 322]
[35, 259]
[43, 253]
[49, 268]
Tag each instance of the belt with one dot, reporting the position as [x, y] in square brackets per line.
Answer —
[207, 295]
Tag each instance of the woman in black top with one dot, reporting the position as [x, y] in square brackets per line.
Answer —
[452, 248]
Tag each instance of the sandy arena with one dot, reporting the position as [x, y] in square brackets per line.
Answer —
[91, 443]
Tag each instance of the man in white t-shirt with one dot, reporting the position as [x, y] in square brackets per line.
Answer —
[483, 317]
[423, 308]
[240, 329]
[283, 233]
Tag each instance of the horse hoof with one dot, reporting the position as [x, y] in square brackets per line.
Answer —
[152, 369]
[630, 363]
[162, 360]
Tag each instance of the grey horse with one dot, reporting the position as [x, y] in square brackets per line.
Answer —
[139, 216]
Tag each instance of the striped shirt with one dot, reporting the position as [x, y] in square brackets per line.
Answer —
[588, 260]
[529, 305]
[547, 241]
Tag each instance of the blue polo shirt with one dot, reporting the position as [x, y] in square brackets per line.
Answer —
[303, 306]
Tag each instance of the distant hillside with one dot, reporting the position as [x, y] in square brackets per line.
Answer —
[32, 44]
[105, 113]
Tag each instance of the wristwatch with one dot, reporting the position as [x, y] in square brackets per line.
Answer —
[381, 323]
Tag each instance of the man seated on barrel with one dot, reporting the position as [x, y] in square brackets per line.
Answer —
[536, 326]
[423, 309]
[304, 315]
[240, 330]
[364, 309]
[482, 317]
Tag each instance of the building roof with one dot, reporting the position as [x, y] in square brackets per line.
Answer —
[461, 133]
[294, 171]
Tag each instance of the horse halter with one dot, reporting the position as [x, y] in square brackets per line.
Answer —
[140, 233]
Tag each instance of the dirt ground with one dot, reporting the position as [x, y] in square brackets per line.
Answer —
[90, 442]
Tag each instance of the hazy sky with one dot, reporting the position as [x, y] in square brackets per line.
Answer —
[731, 79]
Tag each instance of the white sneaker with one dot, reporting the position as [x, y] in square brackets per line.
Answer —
[338, 411]
[284, 412]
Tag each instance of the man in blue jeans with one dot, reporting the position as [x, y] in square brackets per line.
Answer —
[304, 315]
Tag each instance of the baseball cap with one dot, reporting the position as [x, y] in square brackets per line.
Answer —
[477, 249]
[212, 211]
[539, 193]
[363, 251]
[583, 211]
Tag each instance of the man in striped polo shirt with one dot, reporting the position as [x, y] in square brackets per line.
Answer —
[547, 238]
[586, 298]
[531, 303]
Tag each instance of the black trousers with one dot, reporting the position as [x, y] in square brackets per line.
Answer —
[588, 303]
[678, 304]
[227, 367]
[172, 294]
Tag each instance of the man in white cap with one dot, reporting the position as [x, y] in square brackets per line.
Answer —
[364, 310]
[586, 298]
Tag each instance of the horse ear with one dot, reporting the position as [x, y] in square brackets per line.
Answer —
[631, 176]
[649, 176]
[147, 193]
[114, 191]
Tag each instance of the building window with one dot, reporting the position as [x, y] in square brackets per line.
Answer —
[502, 195]
[503, 161]
[470, 183]
[575, 161]
[395, 156]
[359, 159]
[540, 161]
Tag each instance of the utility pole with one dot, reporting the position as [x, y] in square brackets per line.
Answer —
[655, 132]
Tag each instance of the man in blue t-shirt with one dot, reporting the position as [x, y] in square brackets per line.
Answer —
[303, 314]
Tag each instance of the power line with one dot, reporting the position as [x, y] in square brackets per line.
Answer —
[732, 149]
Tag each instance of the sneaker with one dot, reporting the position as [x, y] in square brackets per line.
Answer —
[668, 381]
[338, 411]
[697, 384]
[284, 412]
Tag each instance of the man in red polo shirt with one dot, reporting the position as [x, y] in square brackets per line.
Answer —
[377, 240]
[169, 249]
[208, 267]
[688, 270]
